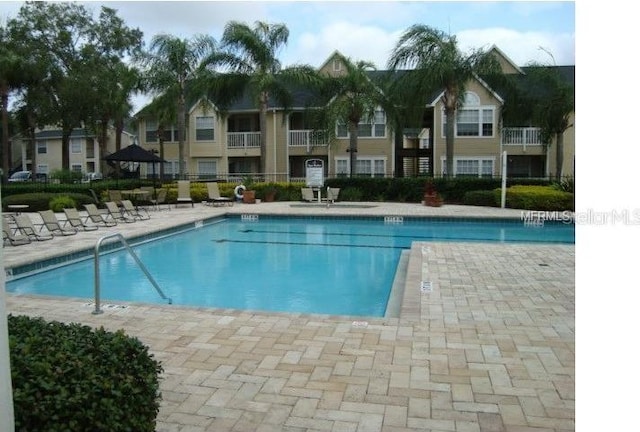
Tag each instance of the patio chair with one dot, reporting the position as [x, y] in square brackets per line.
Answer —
[332, 194]
[161, 198]
[27, 228]
[214, 198]
[115, 196]
[11, 235]
[307, 194]
[75, 220]
[98, 218]
[184, 193]
[96, 199]
[116, 214]
[51, 222]
[137, 213]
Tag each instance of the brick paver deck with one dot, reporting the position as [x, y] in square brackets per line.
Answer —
[488, 345]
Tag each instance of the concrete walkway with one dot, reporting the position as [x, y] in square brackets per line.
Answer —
[487, 345]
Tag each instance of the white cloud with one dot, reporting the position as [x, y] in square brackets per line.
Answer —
[522, 47]
[360, 42]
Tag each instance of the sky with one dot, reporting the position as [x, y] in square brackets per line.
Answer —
[541, 31]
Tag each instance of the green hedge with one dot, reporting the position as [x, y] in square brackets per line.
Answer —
[485, 198]
[41, 200]
[69, 377]
[408, 189]
[544, 198]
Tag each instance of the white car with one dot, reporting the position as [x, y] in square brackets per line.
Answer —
[91, 176]
[20, 176]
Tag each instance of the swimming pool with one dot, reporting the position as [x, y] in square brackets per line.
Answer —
[340, 266]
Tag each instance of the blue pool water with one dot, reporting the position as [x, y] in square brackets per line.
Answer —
[327, 266]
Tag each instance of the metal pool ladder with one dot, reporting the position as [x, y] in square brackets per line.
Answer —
[96, 273]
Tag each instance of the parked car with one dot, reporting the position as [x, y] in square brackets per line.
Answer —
[20, 176]
[91, 177]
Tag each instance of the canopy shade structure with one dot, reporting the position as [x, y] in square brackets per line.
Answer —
[133, 153]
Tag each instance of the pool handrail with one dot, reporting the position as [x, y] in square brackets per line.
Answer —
[96, 273]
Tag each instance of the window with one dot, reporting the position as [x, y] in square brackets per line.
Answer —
[472, 119]
[43, 169]
[151, 131]
[342, 167]
[204, 129]
[76, 168]
[207, 169]
[337, 65]
[366, 128]
[471, 166]
[365, 166]
[76, 146]
[42, 146]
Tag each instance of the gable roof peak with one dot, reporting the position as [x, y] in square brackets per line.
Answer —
[497, 51]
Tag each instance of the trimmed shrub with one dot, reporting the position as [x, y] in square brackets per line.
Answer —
[41, 201]
[69, 377]
[351, 194]
[544, 198]
[485, 198]
[61, 202]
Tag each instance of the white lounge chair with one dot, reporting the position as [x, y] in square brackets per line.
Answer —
[12, 235]
[27, 228]
[184, 193]
[75, 220]
[136, 213]
[332, 194]
[51, 222]
[214, 198]
[98, 218]
[307, 194]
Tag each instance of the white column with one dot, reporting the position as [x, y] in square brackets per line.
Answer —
[503, 198]
[6, 391]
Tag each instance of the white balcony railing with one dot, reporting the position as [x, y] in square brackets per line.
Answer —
[239, 140]
[525, 136]
[307, 138]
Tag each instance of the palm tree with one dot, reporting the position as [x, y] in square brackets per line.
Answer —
[164, 112]
[436, 63]
[354, 97]
[554, 102]
[168, 67]
[252, 66]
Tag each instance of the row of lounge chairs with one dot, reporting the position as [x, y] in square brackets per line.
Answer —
[25, 230]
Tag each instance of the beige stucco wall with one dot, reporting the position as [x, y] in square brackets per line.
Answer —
[468, 146]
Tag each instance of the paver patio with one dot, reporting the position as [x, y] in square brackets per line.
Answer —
[489, 346]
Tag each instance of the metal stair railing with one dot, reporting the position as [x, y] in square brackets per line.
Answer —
[96, 274]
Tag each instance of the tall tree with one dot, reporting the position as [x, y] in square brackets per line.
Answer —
[252, 66]
[78, 56]
[113, 81]
[354, 98]
[169, 66]
[553, 97]
[436, 63]
[13, 75]
[162, 110]
[55, 34]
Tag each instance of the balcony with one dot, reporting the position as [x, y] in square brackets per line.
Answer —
[243, 140]
[307, 138]
[526, 136]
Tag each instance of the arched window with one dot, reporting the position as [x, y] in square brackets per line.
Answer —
[472, 119]
[471, 99]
